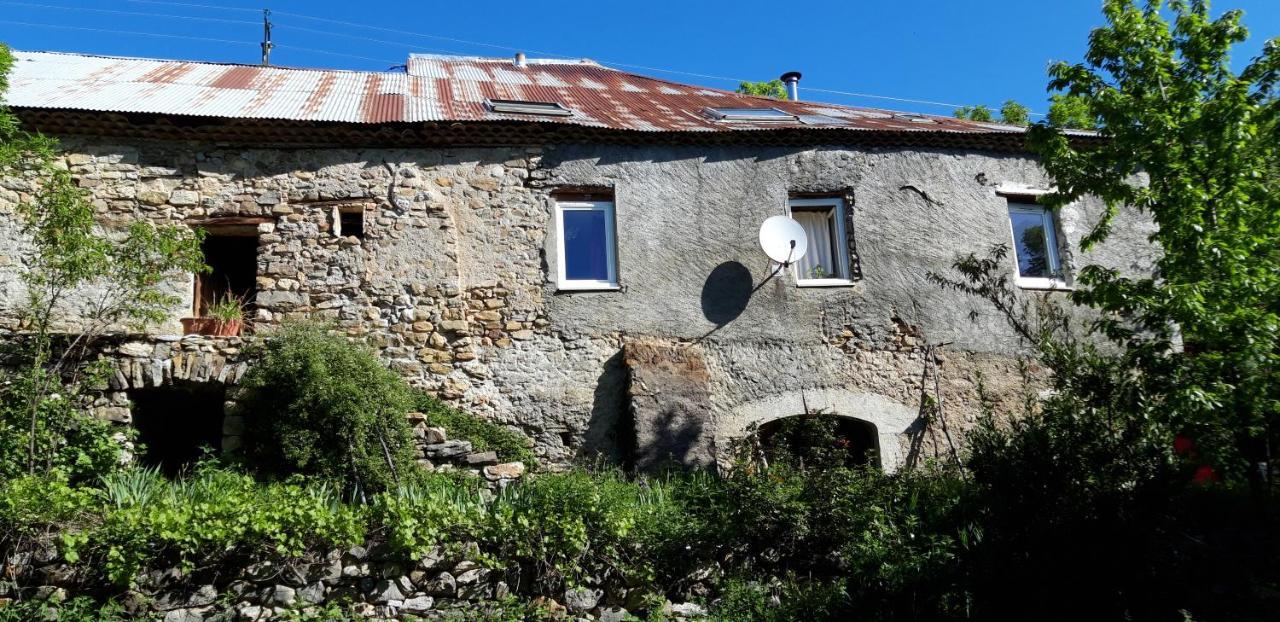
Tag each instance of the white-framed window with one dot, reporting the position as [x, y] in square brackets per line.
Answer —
[1035, 246]
[587, 246]
[826, 263]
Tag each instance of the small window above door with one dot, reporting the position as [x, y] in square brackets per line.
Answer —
[826, 263]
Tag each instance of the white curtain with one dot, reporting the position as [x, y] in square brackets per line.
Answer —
[817, 225]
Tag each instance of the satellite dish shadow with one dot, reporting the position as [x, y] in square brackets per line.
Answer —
[726, 292]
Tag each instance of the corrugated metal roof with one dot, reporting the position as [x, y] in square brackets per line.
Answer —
[435, 88]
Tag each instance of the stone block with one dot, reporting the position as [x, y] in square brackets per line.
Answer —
[184, 197]
[447, 449]
[506, 470]
[484, 457]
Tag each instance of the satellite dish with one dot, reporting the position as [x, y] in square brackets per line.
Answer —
[783, 239]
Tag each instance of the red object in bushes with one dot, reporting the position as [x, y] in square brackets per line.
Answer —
[1182, 445]
[1205, 475]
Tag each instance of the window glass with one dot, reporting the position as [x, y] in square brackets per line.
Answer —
[586, 255]
[1034, 241]
[826, 260]
[819, 262]
[588, 252]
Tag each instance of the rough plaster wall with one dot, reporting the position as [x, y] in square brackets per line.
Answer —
[682, 213]
[453, 281]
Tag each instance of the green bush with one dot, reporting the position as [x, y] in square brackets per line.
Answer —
[68, 440]
[79, 608]
[37, 504]
[575, 524]
[316, 404]
[213, 515]
[433, 511]
[484, 435]
[781, 601]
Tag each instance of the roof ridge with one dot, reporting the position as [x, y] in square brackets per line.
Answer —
[505, 59]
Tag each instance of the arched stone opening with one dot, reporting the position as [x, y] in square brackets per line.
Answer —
[820, 440]
[884, 419]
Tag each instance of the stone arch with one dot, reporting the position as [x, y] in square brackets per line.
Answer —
[889, 418]
[207, 367]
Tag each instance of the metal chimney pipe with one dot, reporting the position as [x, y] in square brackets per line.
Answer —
[520, 60]
[792, 80]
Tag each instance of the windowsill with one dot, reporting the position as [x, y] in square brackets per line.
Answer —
[588, 287]
[824, 283]
[1043, 284]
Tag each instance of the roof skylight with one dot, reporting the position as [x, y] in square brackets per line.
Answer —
[750, 114]
[913, 117]
[517, 106]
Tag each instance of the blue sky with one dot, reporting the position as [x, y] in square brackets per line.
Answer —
[952, 51]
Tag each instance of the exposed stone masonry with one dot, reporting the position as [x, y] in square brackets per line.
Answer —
[451, 281]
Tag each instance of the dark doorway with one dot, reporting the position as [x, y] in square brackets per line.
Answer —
[233, 263]
[820, 441]
[178, 424]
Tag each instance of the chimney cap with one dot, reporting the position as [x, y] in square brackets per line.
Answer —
[791, 76]
[520, 59]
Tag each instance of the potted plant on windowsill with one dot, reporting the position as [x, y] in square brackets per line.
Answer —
[224, 318]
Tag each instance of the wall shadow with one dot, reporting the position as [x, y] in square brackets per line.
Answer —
[610, 434]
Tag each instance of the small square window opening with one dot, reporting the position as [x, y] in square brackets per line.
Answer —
[826, 263]
[350, 223]
[587, 247]
[1035, 243]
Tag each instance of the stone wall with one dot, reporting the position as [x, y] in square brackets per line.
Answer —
[454, 282]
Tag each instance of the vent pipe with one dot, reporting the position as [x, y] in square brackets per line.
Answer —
[520, 61]
[792, 80]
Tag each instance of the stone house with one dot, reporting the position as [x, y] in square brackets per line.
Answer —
[564, 248]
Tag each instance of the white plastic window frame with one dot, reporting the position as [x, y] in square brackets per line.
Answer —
[842, 239]
[1052, 251]
[611, 247]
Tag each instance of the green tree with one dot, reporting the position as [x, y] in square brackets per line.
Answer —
[1070, 112]
[772, 88]
[1014, 113]
[974, 113]
[115, 279]
[1194, 145]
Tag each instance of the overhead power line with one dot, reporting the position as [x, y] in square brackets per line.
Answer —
[360, 38]
[125, 32]
[132, 13]
[496, 46]
[197, 6]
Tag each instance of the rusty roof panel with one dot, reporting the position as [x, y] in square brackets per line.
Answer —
[435, 88]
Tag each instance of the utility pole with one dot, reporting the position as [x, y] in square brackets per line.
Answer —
[266, 38]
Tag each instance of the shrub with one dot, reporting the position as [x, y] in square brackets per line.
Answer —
[317, 404]
[80, 609]
[213, 515]
[573, 524]
[34, 504]
[432, 511]
[68, 440]
[484, 435]
[782, 601]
